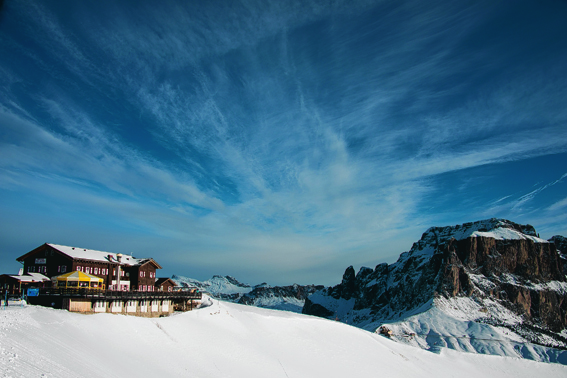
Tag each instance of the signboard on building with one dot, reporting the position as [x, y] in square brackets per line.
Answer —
[41, 261]
[33, 292]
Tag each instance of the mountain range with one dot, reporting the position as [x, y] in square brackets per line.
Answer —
[489, 287]
[287, 298]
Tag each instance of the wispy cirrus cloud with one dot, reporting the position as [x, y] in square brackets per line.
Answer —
[297, 128]
[530, 196]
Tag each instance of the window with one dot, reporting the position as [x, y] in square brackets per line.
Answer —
[95, 270]
[79, 268]
[63, 268]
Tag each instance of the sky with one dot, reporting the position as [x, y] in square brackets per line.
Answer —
[277, 141]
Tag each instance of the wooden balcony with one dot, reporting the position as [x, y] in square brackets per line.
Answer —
[111, 295]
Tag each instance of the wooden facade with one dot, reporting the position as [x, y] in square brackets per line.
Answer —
[53, 260]
[129, 286]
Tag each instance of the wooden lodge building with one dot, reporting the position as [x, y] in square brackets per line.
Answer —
[105, 282]
[53, 260]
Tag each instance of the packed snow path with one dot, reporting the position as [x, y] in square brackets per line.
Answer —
[225, 340]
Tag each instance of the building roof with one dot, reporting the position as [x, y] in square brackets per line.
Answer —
[31, 277]
[93, 255]
[162, 280]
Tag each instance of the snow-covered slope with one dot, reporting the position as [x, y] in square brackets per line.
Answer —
[225, 340]
[287, 298]
[463, 324]
[494, 265]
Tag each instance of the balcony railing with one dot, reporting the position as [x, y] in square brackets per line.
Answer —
[118, 295]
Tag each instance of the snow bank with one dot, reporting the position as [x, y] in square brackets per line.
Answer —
[463, 324]
[224, 340]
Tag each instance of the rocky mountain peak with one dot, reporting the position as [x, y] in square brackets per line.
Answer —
[495, 228]
[493, 260]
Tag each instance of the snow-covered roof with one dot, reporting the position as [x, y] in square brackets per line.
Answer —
[31, 277]
[90, 254]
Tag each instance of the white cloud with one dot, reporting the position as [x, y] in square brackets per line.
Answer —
[558, 205]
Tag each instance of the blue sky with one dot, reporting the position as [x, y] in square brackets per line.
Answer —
[277, 141]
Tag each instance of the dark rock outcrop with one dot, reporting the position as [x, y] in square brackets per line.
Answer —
[495, 259]
[561, 245]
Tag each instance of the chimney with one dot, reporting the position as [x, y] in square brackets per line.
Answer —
[119, 259]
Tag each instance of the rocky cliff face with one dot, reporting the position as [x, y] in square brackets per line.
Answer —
[491, 262]
[561, 245]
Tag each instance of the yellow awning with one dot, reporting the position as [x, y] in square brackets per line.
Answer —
[79, 276]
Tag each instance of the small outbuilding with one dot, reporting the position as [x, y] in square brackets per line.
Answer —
[78, 279]
[165, 284]
[16, 284]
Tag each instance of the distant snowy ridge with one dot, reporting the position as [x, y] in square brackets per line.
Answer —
[491, 286]
[287, 298]
[216, 286]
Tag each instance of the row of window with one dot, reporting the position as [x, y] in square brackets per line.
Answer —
[37, 269]
[141, 303]
[86, 269]
[143, 274]
[91, 270]
[125, 287]
[140, 288]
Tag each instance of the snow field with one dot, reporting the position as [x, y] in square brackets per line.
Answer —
[224, 340]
